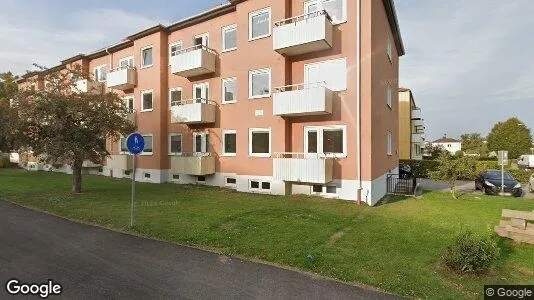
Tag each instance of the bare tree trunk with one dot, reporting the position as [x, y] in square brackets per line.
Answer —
[77, 177]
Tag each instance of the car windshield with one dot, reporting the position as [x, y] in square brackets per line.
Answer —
[497, 175]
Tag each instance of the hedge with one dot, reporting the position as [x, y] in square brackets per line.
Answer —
[421, 167]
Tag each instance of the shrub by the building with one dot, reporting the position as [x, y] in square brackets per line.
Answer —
[471, 253]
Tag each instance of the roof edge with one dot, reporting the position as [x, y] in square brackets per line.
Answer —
[394, 24]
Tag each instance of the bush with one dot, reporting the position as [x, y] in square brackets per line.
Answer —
[421, 168]
[520, 175]
[471, 253]
[4, 162]
[485, 165]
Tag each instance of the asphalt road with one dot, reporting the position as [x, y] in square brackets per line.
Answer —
[94, 263]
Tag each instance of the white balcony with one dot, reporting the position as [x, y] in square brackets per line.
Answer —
[416, 114]
[418, 123]
[303, 34]
[193, 61]
[120, 161]
[194, 111]
[89, 164]
[122, 78]
[87, 86]
[302, 99]
[418, 137]
[301, 167]
[198, 164]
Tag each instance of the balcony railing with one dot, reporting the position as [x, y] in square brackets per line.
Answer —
[416, 114]
[418, 137]
[302, 99]
[120, 161]
[303, 34]
[193, 61]
[122, 78]
[418, 123]
[89, 164]
[87, 86]
[303, 167]
[130, 116]
[193, 111]
[198, 163]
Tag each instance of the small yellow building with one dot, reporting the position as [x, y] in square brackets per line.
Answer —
[411, 127]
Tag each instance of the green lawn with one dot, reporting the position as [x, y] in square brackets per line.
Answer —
[394, 247]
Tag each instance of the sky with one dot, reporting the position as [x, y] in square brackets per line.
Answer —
[469, 63]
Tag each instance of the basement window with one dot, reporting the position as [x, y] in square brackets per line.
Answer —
[148, 175]
[175, 177]
[259, 186]
[201, 179]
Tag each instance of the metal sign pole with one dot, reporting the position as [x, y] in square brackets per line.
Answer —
[132, 207]
[502, 174]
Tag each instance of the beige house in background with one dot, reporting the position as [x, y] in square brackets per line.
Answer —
[261, 96]
[411, 127]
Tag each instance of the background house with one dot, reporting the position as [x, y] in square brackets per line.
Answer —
[449, 144]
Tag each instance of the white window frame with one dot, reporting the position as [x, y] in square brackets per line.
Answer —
[255, 72]
[231, 185]
[307, 5]
[120, 142]
[205, 90]
[173, 90]
[223, 31]
[205, 39]
[257, 13]
[180, 42]
[389, 95]
[389, 143]
[223, 94]
[324, 189]
[320, 133]
[127, 98]
[252, 130]
[322, 62]
[223, 149]
[260, 189]
[181, 144]
[127, 59]
[99, 68]
[148, 153]
[204, 146]
[142, 62]
[321, 7]
[389, 49]
[143, 102]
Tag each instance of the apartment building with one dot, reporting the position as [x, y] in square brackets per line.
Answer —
[411, 127]
[263, 96]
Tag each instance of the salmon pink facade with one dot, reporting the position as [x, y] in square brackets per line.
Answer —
[265, 96]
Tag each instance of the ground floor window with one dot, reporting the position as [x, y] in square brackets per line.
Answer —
[330, 140]
[259, 142]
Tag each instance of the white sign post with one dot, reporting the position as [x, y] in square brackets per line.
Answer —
[503, 160]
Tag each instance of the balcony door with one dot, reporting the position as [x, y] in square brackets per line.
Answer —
[332, 72]
[201, 91]
[201, 39]
[126, 63]
[200, 142]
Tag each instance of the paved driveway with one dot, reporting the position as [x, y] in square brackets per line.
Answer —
[463, 186]
[93, 263]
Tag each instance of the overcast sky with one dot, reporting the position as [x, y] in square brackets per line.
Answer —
[470, 63]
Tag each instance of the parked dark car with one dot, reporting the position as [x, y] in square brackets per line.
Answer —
[490, 182]
[406, 171]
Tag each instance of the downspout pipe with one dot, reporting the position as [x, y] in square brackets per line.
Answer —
[358, 103]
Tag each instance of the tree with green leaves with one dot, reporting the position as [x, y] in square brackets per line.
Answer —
[511, 135]
[453, 168]
[61, 124]
[473, 143]
[8, 86]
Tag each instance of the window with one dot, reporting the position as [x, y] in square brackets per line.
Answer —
[311, 6]
[259, 83]
[175, 176]
[128, 102]
[175, 144]
[328, 140]
[389, 145]
[147, 175]
[175, 96]
[146, 57]
[201, 39]
[331, 189]
[201, 90]
[229, 143]
[389, 95]
[174, 48]
[146, 101]
[259, 24]
[389, 49]
[337, 9]
[123, 145]
[259, 186]
[260, 142]
[229, 90]
[201, 142]
[201, 179]
[148, 150]
[332, 72]
[126, 63]
[317, 188]
[229, 38]
[230, 181]
[100, 73]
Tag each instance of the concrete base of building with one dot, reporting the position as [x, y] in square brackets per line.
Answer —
[372, 190]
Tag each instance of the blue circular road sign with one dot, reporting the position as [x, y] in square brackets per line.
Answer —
[135, 143]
